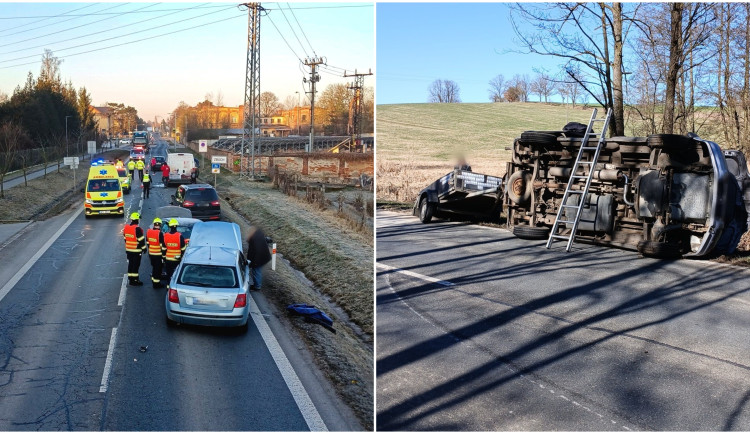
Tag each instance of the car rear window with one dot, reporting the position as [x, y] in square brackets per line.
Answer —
[122, 173]
[184, 230]
[201, 194]
[208, 276]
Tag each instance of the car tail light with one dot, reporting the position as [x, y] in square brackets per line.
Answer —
[173, 297]
[241, 300]
[187, 203]
[215, 203]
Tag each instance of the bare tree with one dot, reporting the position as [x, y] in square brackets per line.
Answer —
[497, 88]
[269, 104]
[11, 135]
[444, 91]
[522, 87]
[220, 99]
[542, 86]
[513, 94]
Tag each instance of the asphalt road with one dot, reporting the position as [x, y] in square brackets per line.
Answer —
[478, 330]
[79, 350]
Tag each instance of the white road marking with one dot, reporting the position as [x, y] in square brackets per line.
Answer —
[123, 290]
[413, 274]
[16, 277]
[108, 363]
[304, 403]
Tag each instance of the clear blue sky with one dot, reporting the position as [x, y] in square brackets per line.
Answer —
[154, 75]
[468, 43]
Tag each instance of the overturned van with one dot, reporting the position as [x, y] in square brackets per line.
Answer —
[664, 195]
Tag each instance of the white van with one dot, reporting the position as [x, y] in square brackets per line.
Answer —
[181, 168]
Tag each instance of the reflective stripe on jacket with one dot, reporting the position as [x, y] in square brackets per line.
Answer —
[152, 239]
[174, 246]
[134, 240]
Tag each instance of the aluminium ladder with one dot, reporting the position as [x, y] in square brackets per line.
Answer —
[582, 163]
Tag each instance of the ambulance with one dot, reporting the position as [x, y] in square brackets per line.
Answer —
[103, 191]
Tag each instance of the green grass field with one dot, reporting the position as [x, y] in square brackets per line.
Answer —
[417, 143]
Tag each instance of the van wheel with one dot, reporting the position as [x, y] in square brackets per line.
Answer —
[426, 210]
[655, 249]
[243, 328]
[531, 232]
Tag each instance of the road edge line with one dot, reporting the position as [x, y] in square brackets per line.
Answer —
[108, 364]
[30, 263]
[293, 383]
[413, 274]
[123, 290]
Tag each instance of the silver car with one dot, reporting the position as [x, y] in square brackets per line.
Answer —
[210, 286]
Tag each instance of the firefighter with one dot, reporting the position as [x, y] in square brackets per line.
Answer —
[139, 166]
[146, 185]
[131, 168]
[154, 241]
[172, 247]
[135, 245]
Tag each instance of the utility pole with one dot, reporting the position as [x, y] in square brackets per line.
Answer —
[67, 153]
[252, 87]
[314, 78]
[358, 106]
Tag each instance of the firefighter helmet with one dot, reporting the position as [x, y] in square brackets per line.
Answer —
[172, 223]
[135, 216]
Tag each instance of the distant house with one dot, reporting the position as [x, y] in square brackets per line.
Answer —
[103, 119]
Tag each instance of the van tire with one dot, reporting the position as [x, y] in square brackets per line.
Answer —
[426, 210]
[538, 138]
[659, 250]
[531, 232]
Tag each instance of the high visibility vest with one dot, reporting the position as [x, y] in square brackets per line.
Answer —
[131, 165]
[146, 178]
[131, 239]
[152, 238]
[174, 249]
[140, 165]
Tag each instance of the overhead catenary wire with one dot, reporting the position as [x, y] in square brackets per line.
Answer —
[98, 33]
[120, 36]
[302, 30]
[45, 19]
[132, 42]
[283, 38]
[59, 22]
[294, 33]
[108, 13]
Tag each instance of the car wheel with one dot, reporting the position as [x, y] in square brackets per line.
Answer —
[426, 210]
[538, 138]
[531, 232]
[244, 328]
[660, 250]
[171, 323]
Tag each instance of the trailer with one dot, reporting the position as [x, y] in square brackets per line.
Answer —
[461, 193]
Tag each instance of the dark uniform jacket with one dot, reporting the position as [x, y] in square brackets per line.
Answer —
[257, 248]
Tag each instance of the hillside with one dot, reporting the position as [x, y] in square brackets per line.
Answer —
[417, 143]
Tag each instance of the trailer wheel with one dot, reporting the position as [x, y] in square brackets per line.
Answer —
[660, 250]
[426, 210]
[519, 187]
[531, 232]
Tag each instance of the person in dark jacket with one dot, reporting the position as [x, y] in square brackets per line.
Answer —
[258, 254]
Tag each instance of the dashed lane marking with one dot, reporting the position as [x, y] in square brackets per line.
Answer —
[16, 277]
[413, 274]
[108, 363]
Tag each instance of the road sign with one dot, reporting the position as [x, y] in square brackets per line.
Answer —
[70, 161]
[215, 168]
[92, 146]
[202, 146]
[218, 159]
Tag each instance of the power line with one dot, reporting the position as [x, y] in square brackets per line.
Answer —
[330, 7]
[107, 39]
[59, 22]
[45, 19]
[121, 36]
[109, 13]
[131, 42]
[301, 29]
[294, 33]
[68, 29]
[282, 37]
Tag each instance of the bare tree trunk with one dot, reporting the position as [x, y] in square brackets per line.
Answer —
[618, 127]
[675, 53]
[692, 95]
[607, 69]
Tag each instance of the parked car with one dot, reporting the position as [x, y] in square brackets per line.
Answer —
[159, 161]
[210, 286]
[125, 141]
[184, 217]
[201, 199]
[664, 195]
